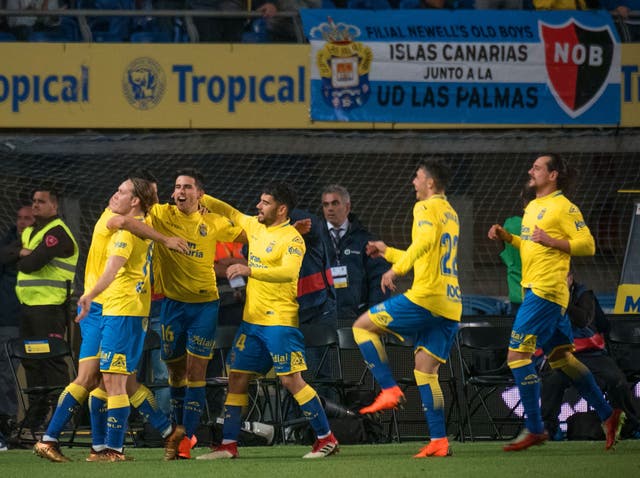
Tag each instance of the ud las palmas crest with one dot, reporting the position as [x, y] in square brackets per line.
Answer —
[143, 83]
[344, 65]
[578, 60]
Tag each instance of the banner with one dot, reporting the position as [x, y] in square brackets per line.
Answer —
[630, 115]
[106, 85]
[464, 66]
[91, 85]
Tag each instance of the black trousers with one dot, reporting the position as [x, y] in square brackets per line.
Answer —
[609, 378]
[38, 321]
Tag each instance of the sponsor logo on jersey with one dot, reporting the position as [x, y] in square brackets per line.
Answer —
[270, 246]
[294, 250]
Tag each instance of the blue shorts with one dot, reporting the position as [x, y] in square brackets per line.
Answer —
[257, 348]
[540, 323]
[188, 328]
[122, 343]
[90, 331]
[431, 333]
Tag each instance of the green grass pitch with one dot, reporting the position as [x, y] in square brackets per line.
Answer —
[476, 460]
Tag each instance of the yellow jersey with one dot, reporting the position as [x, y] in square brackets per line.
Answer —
[97, 256]
[433, 256]
[275, 258]
[189, 277]
[129, 294]
[545, 269]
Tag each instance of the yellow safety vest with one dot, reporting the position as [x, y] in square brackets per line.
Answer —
[48, 285]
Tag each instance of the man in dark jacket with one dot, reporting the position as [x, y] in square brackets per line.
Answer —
[356, 276]
[45, 257]
[589, 325]
[9, 314]
[316, 295]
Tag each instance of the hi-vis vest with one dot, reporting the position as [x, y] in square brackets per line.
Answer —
[46, 286]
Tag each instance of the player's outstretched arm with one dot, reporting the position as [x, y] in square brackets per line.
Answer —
[114, 263]
[220, 207]
[303, 226]
[376, 249]
[144, 231]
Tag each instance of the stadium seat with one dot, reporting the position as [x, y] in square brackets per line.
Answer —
[109, 29]
[483, 305]
[623, 342]
[217, 373]
[48, 36]
[484, 374]
[354, 377]
[368, 5]
[323, 341]
[256, 32]
[151, 37]
[607, 302]
[40, 349]
[152, 342]
[7, 37]
[401, 357]
[410, 4]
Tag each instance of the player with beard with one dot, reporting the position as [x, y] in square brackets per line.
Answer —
[189, 313]
[268, 335]
[553, 230]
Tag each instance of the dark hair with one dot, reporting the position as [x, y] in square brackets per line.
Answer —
[192, 173]
[282, 193]
[144, 174]
[438, 170]
[54, 194]
[566, 174]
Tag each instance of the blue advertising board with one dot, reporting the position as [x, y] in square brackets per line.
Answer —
[464, 66]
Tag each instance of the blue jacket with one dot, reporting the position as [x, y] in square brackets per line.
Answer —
[315, 284]
[364, 273]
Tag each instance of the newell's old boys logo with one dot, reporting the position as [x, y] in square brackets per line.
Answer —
[578, 61]
[344, 65]
[144, 83]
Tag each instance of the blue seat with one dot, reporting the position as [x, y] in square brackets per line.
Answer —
[7, 37]
[483, 305]
[151, 37]
[67, 31]
[368, 5]
[108, 37]
[45, 37]
[109, 29]
[257, 32]
[328, 5]
[410, 4]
